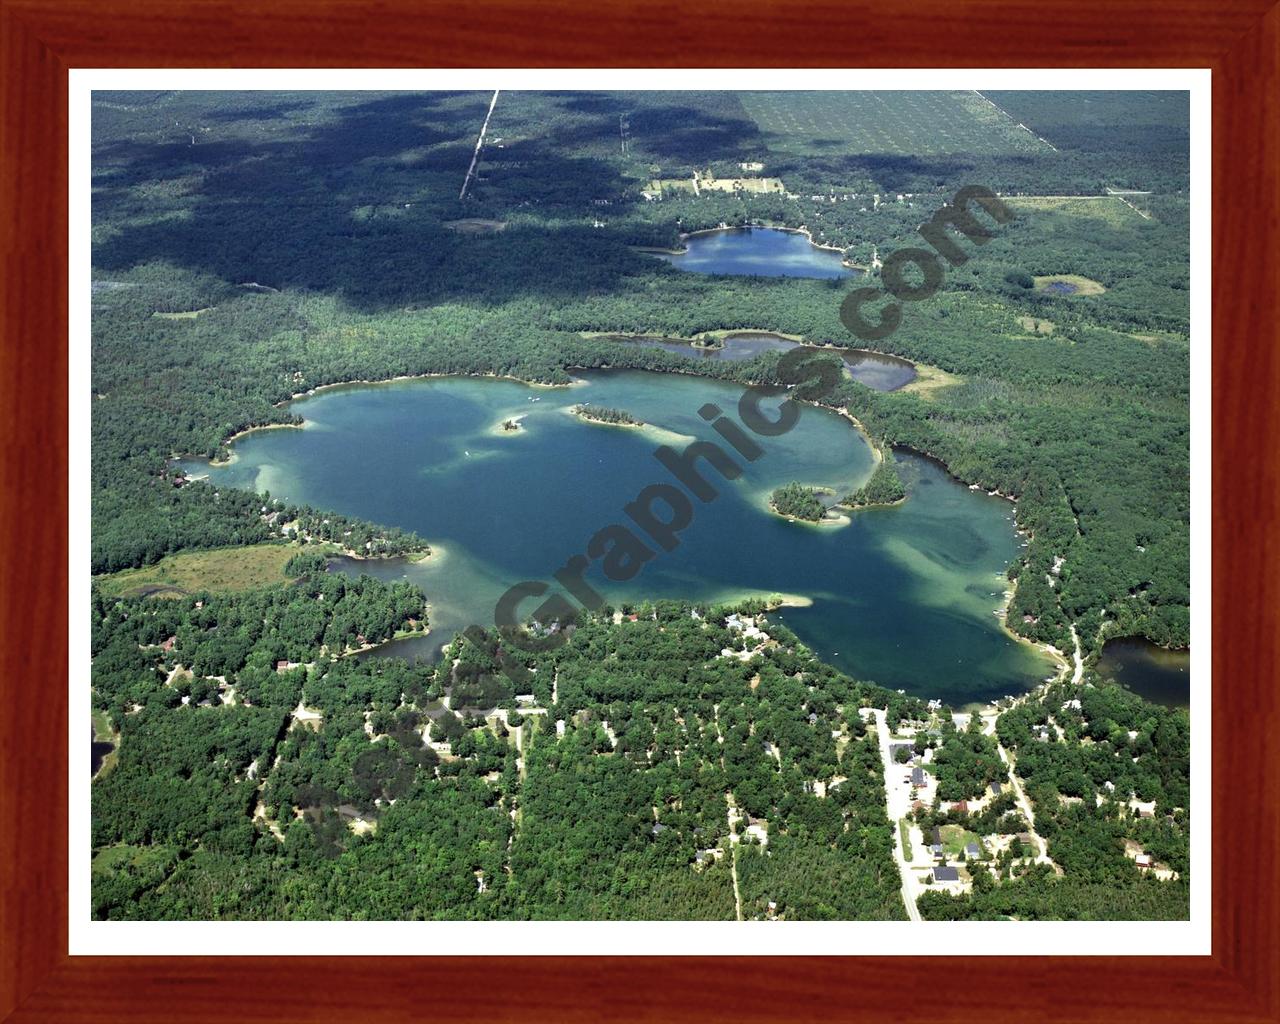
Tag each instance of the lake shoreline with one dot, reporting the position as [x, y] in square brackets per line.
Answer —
[924, 376]
[763, 226]
[1052, 652]
[829, 519]
[218, 460]
[863, 506]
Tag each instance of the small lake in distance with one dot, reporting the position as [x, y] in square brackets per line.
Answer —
[876, 370]
[1156, 674]
[98, 752]
[760, 252]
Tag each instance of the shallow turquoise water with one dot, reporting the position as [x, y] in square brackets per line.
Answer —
[903, 595]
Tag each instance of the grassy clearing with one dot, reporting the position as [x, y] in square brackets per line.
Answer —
[904, 830]
[1107, 209]
[931, 379]
[102, 730]
[105, 732]
[475, 226]
[955, 838]
[1032, 325]
[113, 858]
[1081, 285]
[189, 315]
[722, 333]
[222, 569]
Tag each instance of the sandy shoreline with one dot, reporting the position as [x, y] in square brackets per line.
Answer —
[650, 430]
[774, 599]
[499, 428]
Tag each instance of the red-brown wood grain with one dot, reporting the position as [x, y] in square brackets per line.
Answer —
[40, 40]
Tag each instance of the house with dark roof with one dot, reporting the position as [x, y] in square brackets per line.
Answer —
[995, 788]
[972, 850]
[943, 873]
[917, 777]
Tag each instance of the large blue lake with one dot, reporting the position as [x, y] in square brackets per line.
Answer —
[904, 596]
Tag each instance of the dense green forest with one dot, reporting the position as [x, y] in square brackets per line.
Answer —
[259, 769]
[884, 487]
[249, 248]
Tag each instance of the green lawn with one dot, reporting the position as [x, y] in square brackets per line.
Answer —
[955, 838]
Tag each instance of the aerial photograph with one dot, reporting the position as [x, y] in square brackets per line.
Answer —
[640, 505]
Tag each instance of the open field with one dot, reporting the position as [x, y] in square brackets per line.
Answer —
[188, 315]
[475, 226]
[1033, 325]
[136, 857]
[1076, 284]
[222, 569]
[915, 123]
[1107, 209]
[105, 732]
[930, 379]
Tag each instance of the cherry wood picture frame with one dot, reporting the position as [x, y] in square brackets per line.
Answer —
[41, 39]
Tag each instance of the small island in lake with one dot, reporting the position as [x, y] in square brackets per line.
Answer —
[796, 501]
[884, 487]
[603, 414]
